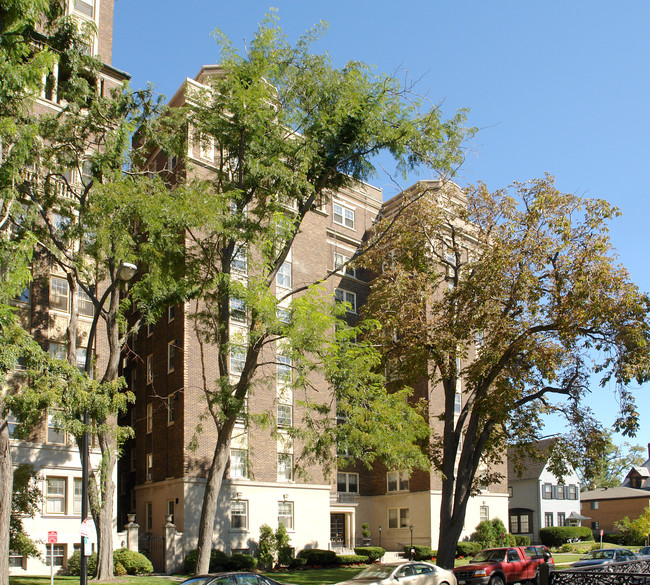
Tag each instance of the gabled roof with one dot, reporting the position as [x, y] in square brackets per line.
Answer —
[614, 493]
[522, 468]
[642, 471]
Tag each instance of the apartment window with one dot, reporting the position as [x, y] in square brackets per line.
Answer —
[458, 403]
[548, 519]
[148, 512]
[206, 147]
[397, 481]
[12, 425]
[55, 555]
[149, 329]
[149, 466]
[285, 415]
[171, 353]
[59, 291]
[561, 518]
[55, 502]
[238, 463]
[78, 496]
[240, 260]
[170, 510]
[343, 216]
[85, 303]
[149, 417]
[285, 466]
[547, 491]
[340, 260]
[239, 514]
[58, 351]
[237, 359]
[15, 560]
[284, 369]
[171, 313]
[238, 310]
[347, 482]
[283, 276]
[398, 518]
[594, 505]
[285, 514]
[171, 403]
[23, 297]
[149, 369]
[54, 434]
[484, 513]
[81, 358]
[283, 314]
[345, 296]
[86, 7]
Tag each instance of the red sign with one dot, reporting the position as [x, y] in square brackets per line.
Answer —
[602, 532]
[52, 537]
[85, 527]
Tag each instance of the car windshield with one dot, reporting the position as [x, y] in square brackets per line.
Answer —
[601, 554]
[376, 572]
[495, 554]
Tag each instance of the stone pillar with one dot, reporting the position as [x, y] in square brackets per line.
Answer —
[132, 532]
[173, 558]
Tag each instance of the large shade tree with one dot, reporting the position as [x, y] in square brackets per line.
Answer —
[518, 296]
[289, 129]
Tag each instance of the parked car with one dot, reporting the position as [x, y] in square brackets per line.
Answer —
[504, 566]
[644, 553]
[605, 556]
[230, 579]
[405, 573]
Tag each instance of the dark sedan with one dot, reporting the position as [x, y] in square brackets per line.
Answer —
[230, 579]
[604, 556]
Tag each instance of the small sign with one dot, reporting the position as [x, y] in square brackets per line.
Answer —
[85, 527]
[52, 537]
[602, 532]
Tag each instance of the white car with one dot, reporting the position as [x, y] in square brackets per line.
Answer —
[405, 573]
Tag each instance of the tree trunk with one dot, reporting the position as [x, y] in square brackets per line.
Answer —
[6, 485]
[210, 499]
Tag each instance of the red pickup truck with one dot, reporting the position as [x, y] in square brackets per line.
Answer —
[504, 566]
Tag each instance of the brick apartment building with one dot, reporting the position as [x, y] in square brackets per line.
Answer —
[44, 309]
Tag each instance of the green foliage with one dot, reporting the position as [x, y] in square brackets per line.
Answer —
[282, 547]
[365, 532]
[467, 548]
[521, 540]
[489, 532]
[374, 553]
[119, 570]
[25, 502]
[266, 546]
[74, 561]
[315, 557]
[219, 561]
[352, 559]
[553, 536]
[635, 531]
[297, 563]
[420, 553]
[135, 563]
[242, 562]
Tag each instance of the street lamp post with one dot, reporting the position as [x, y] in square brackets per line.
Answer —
[125, 272]
[411, 548]
[380, 536]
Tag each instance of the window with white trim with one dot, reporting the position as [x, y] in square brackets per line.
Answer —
[345, 296]
[283, 314]
[149, 417]
[238, 463]
[171, 354]
[397, 481]
[148, 513]
[285, 415]
[347, 482]
[55, 435]
[85, 304]
[458, 403]
[171, 313]
[239, 514]
[239, 261]
[283, 276]
[16, 560]
[237, 359]
[398, 517]
[284, 369]
[78, 496]
[171, 408]
[170, 509]
[285, 514]
[55, 495]
[238, 309]
[340, 260]
[484, 513]
[206, 147]
[149, 466]
[59, 294]
[55, 553]
[149, 368]
[343, 215]
[285, 466]
[85, 7]
[547, 491]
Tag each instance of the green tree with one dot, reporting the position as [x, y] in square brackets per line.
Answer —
[25, 502]
[635, 531]
[489, 533]
[289, 129]
[515, 295]
[608, 467]
[266, 547]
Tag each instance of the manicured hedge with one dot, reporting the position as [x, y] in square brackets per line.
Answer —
[467, 548]
[242, 562]
[315, 557]
[420, 553]
[373, 553]
[135, 563]
[522, 540]
[219, 561]
[352, 559]
[558, 535]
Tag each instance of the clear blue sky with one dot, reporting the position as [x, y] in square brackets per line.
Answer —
[554, 86]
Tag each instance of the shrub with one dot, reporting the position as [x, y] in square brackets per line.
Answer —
[420, 553]
[365, 532]
[266, 546]
[119, 570]
[557, 535]
[75, 560]
[282, 547]
[315, 557]
[373, 553]
[488, 534]
[297, 563]
[219, 561]
[242, 562]
[522, 540]
[352, 559]
[467, 548]
[135, 563]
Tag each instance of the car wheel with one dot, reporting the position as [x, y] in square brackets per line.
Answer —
[497, 580]
[535, 579]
